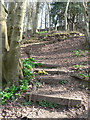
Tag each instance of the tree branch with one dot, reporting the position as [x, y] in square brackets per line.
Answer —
[5, 9]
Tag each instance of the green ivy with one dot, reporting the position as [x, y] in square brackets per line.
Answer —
[62, 82]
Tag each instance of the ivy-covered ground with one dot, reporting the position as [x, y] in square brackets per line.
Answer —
[69, 53]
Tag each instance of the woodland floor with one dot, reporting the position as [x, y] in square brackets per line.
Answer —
[54, 51]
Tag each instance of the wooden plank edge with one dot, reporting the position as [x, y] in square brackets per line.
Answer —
[70, 102]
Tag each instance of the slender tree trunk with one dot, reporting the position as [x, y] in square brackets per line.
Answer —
[49, 22]
[49, 16]
[41, 20]
[35, 19]
[73, 24]
[66, 27]
[45, 19]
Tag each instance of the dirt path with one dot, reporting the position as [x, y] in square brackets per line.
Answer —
[57, 60]
[60, 53]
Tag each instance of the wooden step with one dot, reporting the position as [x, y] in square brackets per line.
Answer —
[45, 65]
[70, 102]
[53, 79]
[53, 71]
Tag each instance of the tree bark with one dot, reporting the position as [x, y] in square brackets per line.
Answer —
[10, 20]
[66, 24]
[41, 20]
[0, 52]
[11, 58]
[45, 20]
[87, 19]
[49, 16]
[73, 24]
[35, 19]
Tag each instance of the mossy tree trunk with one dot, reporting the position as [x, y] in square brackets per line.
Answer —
[11, 64]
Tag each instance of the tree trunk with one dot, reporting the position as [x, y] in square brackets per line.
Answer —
[45, 20]
[10, 20]
[73, 24]
[49, 16]
[66, 24]
[11, 57]
[0, 51]
[86, 17]
[35, 19]
[41, 20]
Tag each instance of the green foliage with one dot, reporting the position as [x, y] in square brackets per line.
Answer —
[83, 63]
[86, 76]
[17, 94]
[80, 52]
[74, 9]
[27, 103]
[42, 32]
[51, 105]
[38, 64]
[38, 83]
[78, 67]
[29, 63]
[43, 103]
[76, 53]
[57, 11]
[8, 94]
[76, 106]
[62, 82]
[89, 76]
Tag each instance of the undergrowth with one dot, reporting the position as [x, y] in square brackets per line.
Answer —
[83, 72]
[11, 93]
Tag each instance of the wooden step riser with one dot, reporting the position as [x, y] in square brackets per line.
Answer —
[61, 101]
[51, 80]
[48, 66]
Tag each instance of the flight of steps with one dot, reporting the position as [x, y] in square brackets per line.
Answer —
[51, 89]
